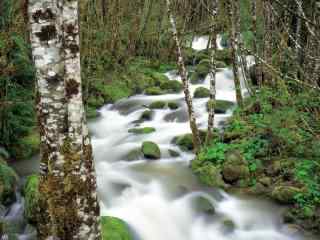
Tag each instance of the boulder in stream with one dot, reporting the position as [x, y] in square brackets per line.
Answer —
[115, 229]
[172, 86]
[221, 106]
[173, 105]
[145, 130]
[151, 150]
[201, 92]
[153, 91]
[158, 105]
[146, 115]
[184, 142]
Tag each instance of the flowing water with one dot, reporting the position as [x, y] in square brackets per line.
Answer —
[162, 199]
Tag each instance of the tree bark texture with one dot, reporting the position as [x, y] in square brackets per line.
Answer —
[69, 204]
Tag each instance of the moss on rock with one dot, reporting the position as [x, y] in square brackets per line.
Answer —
[158, 105]
[285, 193]
[146, 115]
[151, 150]
[201, 92]
[173, 105]
[221, 106]
[145, 130]
[171, 86]
[31, 194]
[8, 184]
[115, 229]
[184, 142]
[153, 91]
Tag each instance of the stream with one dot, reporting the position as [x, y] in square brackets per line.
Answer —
[162, 199]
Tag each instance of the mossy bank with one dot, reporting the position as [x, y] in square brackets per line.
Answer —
[270, 147]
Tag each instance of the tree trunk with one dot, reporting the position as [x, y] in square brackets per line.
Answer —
[69, 205]
[234, 36]
[213, 71]
[185, 81]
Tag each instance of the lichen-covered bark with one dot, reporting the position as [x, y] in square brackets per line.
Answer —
[213, 71]
[234, 36]
[185, 81]
[69, 206]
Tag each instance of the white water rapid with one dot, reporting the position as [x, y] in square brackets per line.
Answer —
[160, 199]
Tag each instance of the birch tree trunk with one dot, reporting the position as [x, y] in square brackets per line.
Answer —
[185, 81]
[69, 205]
[234, 36]
[213, 71]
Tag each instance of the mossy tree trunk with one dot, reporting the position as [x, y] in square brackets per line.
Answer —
[185, 81]
[69, 205]
[213, 70]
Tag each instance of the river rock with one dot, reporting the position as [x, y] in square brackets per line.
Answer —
[180, 115]
[134, 154]
[285, 193]
[145, 130]
[201, 92]
[153, 91]
[173, 105]
[221, 106]
[115, 229]
[172, 86]
[173, 153]
[8, 184]
[151, 150]
[228, 226]
[146, 115]
[235, 167]
[158, 105]
[184, 142]
[203, 205]
[31, 198]
[211, 175]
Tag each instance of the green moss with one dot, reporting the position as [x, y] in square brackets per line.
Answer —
[201, 92]
[145, 130]
[171, 86]
[146, 115]
[151, 150]
[115, 91]
[154, 91]
[30, 145]
[8, 184]
[220, 106]
[133, 155]
[185, 142]
[203, 69]
[173, 105]
[158, 105]
[91, 112]
[31, 193]
[115, 229]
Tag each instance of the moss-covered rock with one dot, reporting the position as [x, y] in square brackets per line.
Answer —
[228, 226]
[171, 86]
[173, 105]
[235, 167]
[133, 155]
[210, 175]
[154, 91]
[145, 130]
[151, 150]
[195, 78]
[224, 56]
[158, 105]
[146, 115]
[201, 92]
[31, 194]
[221, 106]
[203, 205]
[159, 78]
[8, 184]
[173, 153]
[30, 145]
[184, 142]
[203, 69]
[285, 193]
[201, 55]
[115, 229]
